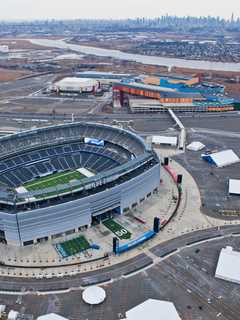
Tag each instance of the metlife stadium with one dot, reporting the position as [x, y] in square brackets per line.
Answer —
[62, 178]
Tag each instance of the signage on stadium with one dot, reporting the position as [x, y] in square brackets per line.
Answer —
[93, 141]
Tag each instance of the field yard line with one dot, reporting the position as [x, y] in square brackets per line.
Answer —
[53, 178]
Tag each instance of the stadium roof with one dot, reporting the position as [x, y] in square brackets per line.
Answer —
[228, 265]
[222, 158]
[234, 186]
[154, 310]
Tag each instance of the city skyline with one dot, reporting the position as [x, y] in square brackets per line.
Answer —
[106, 9]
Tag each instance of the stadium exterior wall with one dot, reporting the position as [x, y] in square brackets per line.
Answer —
[32, 225]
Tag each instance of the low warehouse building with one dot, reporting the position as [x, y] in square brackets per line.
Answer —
[51, 316]
[221, 159]
[165, 140]
[234, 186]
[156, 309]
[228, 265]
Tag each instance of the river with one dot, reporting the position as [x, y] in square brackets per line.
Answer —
[151, 60]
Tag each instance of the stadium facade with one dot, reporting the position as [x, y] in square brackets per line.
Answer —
[124, 171]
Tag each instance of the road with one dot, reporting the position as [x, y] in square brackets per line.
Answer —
[114, 116]
[117, 271]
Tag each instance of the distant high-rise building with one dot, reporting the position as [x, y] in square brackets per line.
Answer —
[4, 49]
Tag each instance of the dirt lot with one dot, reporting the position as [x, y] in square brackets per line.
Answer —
[17, 44]
[11, 75]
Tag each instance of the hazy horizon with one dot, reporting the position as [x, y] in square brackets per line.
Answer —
[106, 9]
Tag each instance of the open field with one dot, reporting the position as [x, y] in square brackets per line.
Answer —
[17, 44]
[11, 75]
[53, 180]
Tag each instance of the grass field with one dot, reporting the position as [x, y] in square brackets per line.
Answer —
[117, 229]
[53, 180]
[73, 246]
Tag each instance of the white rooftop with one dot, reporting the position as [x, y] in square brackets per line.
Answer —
[75, 80]
[234, 186]
[144, 102]
[94, 295]
[151, 87]
[51, 316]
[195, 146]
[153, 310]
[2, 308]
[13, 315]
[104, 73]
[224, 158]
[228, 267]
[164, 140]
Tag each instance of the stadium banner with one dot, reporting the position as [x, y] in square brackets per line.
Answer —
[132, 244]
[95, 142]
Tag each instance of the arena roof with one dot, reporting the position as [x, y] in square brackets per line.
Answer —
[148, 87]
[76, 82]
[154, 310]
[228, 265]
[176, 76]
[234, 186]
[165, 91]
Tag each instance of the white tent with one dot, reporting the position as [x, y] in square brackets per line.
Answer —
[228, 265]
[94, 295]
[222, 158]
[234, 186]
[13, 315]
[2, 309]
[172, 141]
[154, 310]
[51, 316]
[195, 146]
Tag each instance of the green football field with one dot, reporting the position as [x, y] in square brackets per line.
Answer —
[72, 247]
[117, 229]
[53, 180]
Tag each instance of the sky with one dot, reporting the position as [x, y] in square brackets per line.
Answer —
[71, 9]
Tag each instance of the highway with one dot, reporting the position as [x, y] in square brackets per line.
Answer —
[114, 116]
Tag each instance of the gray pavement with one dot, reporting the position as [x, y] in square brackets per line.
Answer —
[185, 278]
[212, 181]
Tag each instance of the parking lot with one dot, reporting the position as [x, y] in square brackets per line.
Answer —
[212, 181]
